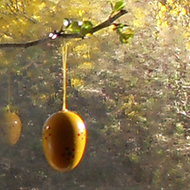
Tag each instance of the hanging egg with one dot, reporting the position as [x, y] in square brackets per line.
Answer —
[64, 140]
[10, 128]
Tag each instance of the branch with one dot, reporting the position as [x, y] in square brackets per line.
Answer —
[108, 22]
[60, 34]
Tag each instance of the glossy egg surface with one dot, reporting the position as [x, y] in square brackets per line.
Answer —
[10, 128]
[64, 140]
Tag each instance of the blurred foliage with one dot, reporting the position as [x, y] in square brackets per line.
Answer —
[134, 97]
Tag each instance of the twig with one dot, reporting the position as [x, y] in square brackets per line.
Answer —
[60, 34]
[108, 22]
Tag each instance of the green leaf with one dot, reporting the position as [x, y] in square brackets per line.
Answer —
[87, 25]
[86, 28]
[119, 27]
[125, 35]
[124, 38]
[74, 27]
[119, 5]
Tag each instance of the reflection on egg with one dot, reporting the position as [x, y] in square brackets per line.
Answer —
[64, 140]
[10, 128]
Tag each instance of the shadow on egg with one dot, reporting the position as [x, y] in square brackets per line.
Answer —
[64, 140]
[10, 128]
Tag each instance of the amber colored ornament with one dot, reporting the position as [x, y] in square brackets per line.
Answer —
[10, 128]
[64, 140]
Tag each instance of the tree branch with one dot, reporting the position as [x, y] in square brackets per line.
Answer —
[108, 22]
[60, 34]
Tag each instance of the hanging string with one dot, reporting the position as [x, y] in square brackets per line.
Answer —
[9, 92]
[64, 62]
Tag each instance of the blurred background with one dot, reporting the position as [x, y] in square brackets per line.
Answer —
[133, 98]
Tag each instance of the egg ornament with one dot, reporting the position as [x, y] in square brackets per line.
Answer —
[11, 127]
[64, 140]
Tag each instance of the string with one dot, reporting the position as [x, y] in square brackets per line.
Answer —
[9, 92]
[64, 66]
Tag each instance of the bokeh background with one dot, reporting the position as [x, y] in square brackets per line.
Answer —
[133, 98]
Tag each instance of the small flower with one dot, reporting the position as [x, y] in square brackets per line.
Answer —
[53, 36]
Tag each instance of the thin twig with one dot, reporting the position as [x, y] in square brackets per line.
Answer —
[108, 22]
[102, 25]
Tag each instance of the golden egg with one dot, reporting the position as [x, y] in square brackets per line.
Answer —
[10, 128]
[64, 140]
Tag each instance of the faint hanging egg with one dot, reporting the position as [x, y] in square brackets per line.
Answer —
[64, 140]
[11, 128]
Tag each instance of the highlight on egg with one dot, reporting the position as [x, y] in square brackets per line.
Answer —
[10, 127]
[64, 140]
